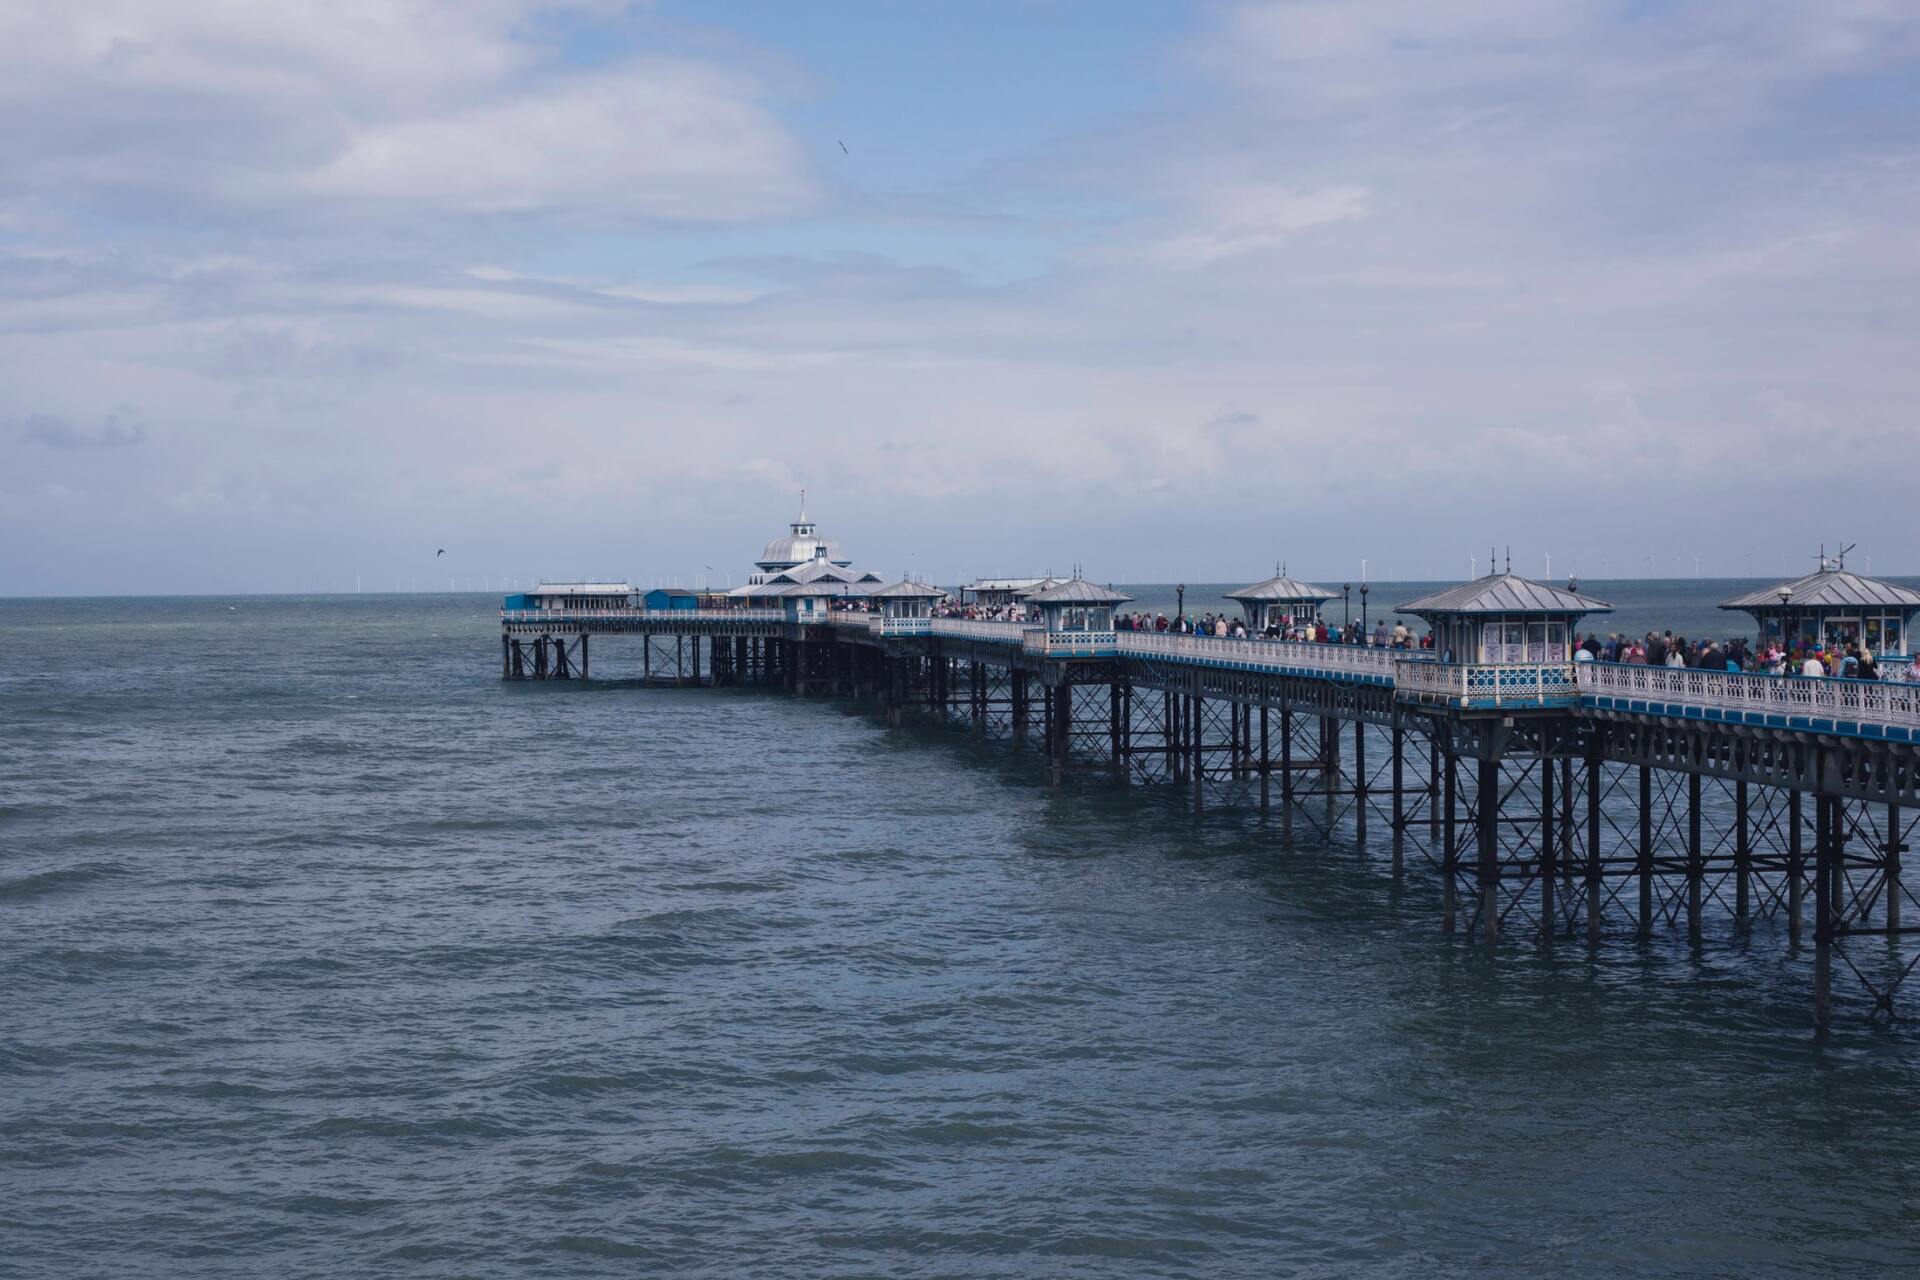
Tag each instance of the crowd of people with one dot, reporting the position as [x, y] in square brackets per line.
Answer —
[1851, 660]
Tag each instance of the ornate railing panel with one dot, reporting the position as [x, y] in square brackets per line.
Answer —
[1866, 708]
[1068, 644]
[1341, 661]
[974, 629]
[640, 615]
[1487, 684]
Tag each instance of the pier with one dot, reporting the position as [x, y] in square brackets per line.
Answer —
[1555, 801]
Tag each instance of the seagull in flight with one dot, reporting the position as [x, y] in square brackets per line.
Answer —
[442, 551]
[843, 148]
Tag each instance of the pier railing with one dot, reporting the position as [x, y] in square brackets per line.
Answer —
[640, 615]
[1286, 656]
[979, 629]
[1874, 708]
[898, 628]
[1486, 684]
[1069, 644]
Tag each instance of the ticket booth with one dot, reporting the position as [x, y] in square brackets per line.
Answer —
[904, 608]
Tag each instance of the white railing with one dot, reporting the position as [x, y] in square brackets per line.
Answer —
[1265, 655]
[891, 628]
[1068, 644]
[1486, 684]
[978, 629]
[641, 615]
[1870, 701]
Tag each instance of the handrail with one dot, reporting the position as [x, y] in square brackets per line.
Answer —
[641, 615]
[981, 629]
[1274, 655]
[1824, 697]
[1486, 684]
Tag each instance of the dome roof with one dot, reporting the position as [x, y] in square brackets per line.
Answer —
[801, 544]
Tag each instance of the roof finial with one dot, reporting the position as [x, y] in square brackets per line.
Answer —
[803, 505]
[1509, 557]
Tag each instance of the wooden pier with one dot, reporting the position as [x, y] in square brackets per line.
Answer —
[1554, 800]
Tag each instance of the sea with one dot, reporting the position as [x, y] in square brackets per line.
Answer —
[326, 953]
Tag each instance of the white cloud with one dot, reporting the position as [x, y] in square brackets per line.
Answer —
[1243, 219]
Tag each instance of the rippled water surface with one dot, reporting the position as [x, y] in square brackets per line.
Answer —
[324, 953]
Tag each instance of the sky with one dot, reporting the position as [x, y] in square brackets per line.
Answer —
[294, 296]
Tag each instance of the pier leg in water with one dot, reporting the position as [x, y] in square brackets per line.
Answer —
[1487, 811]
[1195, 741]
[1696, 859]
[1399, 732]
[1892, 873]
[1825, 860]
[1450, 850]
[1549, 862]
[584, 672]
[1266, 766]
[1645, 853]
[1742, 847]
[1796, 863]
[1593, 844]
[1017, 685]
[1116, 731]
[1360, 779]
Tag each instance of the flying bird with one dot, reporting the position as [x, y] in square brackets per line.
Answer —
[843, 148]
[442, 551]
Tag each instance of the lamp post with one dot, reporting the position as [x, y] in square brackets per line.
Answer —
[1180, 608]
[1346, 608]
[1786, 621]
[1363, 606]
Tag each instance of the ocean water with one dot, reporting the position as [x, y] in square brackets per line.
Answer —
[323, 952]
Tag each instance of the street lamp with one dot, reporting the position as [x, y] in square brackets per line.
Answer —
[1363, 606]
[1786, 620]
[1346, 615]
[1180, 608]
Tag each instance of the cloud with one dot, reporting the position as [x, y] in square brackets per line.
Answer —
[201, 108]
[117, 431]
[1244, 219]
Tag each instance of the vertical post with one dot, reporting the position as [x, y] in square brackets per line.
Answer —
[1266, 766]
[506, 657]
[1197, 747]
[1796, 863]
[1549, 864]
[1017, 692]
[1645, 853]
[1487, 805]
[679, 659]
[1742, 846]
[1433, 789]
[1825, 856]
[1450, 851]
[1286, 757]
[1399, 735]
[1593, 843]
[1891, 869]
[1117, 751]
[1060, 729]
[584, 637]
[1696, 859]
[1360, 779]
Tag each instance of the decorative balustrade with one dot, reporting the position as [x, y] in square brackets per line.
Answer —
[641, 615]
[978, 629]
[1349, 661]
[1867, 708]
[1470, 685]
[898, 628]
[1068, 644]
